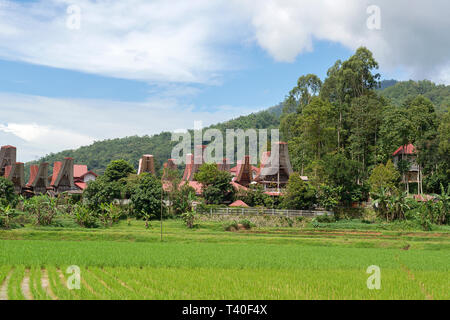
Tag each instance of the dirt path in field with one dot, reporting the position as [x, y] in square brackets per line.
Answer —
[45, 282]
[4, 287]
[411, 276]
[25, 286]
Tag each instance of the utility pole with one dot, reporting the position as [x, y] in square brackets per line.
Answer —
[162, 191]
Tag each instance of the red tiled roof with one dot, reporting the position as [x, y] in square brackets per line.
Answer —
[239, 203]
[79, 170]
[33, 173]
[56, 168]
[238, 186]
[198, 187]
[8, 147]
[81, 185]
[408, 149]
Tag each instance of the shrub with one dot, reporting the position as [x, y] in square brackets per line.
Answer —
[216, 184]
[299, 194]
[384, 176]
[109, 214]
[6, 215]
[326, 218]
[189, 219]
[101, 191]
[329, 197]
[7, 193]
[315, 223]
[43, 208]
[84, 217]
[246, 223]
[182, 198]
[147, 196]
[231, 226]
[117, 170]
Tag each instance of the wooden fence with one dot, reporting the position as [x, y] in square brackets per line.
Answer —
[272, 212]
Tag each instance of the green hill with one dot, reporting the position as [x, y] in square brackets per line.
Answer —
[402, 91]
[97, 155]
[100, 153]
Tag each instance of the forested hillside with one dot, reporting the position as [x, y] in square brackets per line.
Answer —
[402, 91]
[100, 153]
[341, 128]
[333, 126]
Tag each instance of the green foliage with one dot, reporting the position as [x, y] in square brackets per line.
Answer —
[101, 191]
[216, 184]
[117, 170]
[109, 214]
[147, 195]
[254, 196]
[442, 207]
[85, 217]
[402, 91]
[398, 206]
[384, 176]
[246, 223]
[43, 208]
[98, 155]
[326, 218]
[299, 194]
[381, 202]
[7, 193]
[329, 197]
[189, 218]
[316, 128]
[182, 198]
[7, 213]
[341, 172]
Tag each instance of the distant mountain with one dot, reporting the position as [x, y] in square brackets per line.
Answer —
[100, 153]
[402, 91]
[97, 155]
[387, 83]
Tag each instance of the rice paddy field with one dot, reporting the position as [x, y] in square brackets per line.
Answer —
[129, 262]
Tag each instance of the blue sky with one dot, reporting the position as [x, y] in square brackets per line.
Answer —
[76, 71]
[259, 82]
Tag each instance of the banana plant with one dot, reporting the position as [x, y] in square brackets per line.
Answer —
[6, 213]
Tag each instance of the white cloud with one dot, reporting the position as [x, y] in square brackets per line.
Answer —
[187, 41]
[40, 125]
[152, 41]
[413, 34]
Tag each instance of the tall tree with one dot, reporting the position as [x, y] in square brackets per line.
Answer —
[317, 128]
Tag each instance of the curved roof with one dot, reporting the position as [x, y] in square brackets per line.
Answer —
[407, 149]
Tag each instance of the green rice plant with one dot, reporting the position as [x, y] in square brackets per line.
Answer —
[37, 291]
[15, 284]
[58, 285]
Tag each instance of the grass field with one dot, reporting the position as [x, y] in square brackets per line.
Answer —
[130, 262]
